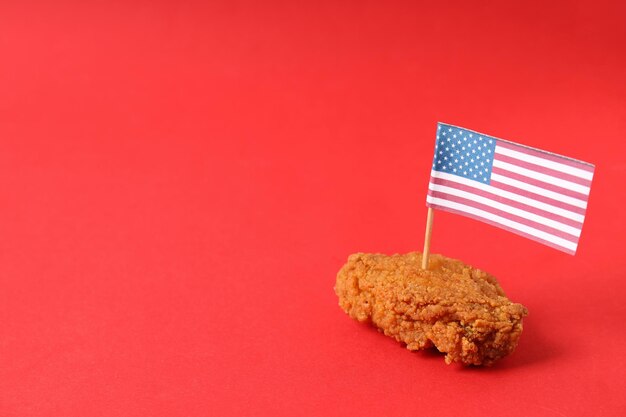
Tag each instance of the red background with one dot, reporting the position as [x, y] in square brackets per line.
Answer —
[181, 181]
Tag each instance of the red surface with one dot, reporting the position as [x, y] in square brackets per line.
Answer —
[181, 182]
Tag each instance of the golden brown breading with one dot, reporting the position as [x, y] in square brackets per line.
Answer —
[460, 310]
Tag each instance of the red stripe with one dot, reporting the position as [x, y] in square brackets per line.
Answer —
[498, 225]
[538, 183]
[542, 170]
[538, 197]
[501, 213]
[508, 202]
[545, 155]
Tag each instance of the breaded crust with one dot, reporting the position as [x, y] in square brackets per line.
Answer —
[460, 310]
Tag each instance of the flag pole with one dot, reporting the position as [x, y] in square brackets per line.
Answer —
[429, 232]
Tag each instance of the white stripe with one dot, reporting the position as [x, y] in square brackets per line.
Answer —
[504, 207]
[505, 222]
[511, 196]
[541, 191]
[542, 177]
[581, 173]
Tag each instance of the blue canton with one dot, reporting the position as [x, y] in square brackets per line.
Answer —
[464, 153]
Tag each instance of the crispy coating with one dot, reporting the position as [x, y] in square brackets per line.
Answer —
[460, 310]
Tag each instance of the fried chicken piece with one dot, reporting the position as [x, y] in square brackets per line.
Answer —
[460, 310]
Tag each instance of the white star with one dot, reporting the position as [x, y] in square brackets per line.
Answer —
[440, 152]
[471, 169]
[443, 167]
[474, 175]
[453, 145]
[450, 163]
[479, 148]
[447, 149]
[459, 142]
[454, 136]
[482, 163]
[473, 150]
[472, 160]
[487, 160]
[444, 133]
[460, 131]
[456, 160]
[486, 170]
[465, 162]
[464, 139]
[447, 139]
[462, 157]
[470, 135]
[480, 138]
[490, 140]
[439, 127]
[445, 158]
[483, 154]
[454, 169]
[439, 161]
[464, 172]
[450, 130]
[463, 148]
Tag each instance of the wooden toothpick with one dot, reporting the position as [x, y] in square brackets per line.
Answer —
[429, 230]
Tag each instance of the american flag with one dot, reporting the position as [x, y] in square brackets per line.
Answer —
[533, 193]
